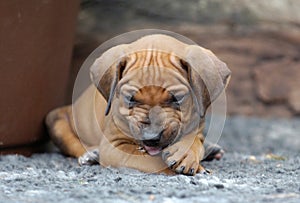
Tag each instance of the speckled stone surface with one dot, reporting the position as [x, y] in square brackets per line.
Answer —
[262, 164]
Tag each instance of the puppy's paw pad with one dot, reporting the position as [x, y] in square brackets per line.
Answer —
[89, 158]
[213, 151]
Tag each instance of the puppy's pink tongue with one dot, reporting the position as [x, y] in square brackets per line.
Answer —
[152, 150]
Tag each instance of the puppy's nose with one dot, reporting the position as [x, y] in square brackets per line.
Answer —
[151, 136]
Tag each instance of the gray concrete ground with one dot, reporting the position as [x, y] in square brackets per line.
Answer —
[262, 164]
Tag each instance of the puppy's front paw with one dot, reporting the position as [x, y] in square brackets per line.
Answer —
[89, 158]
[182, 161]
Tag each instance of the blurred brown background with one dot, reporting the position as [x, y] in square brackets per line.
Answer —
[258, 39]
[36, 43]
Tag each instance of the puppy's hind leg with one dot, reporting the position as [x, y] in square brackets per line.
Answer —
[60, 129]
[212, 151]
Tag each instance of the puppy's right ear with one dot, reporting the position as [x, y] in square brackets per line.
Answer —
[208, 75]
[107, 70]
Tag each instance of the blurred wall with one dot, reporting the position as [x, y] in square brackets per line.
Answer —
[258, 39]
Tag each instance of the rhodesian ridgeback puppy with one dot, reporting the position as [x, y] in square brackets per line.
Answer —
[145, 109]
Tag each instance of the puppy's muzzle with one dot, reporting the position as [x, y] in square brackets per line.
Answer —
[153, 144]
[152, 141]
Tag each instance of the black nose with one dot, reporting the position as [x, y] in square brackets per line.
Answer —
[151, 143]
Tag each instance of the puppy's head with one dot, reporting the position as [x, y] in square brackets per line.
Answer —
[158, 94]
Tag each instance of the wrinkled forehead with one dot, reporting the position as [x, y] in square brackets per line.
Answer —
[157, 43]
[153, 67]
[153, 76]
[152, 61]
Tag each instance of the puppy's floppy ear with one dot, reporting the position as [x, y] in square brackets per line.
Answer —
[107, 71]
[208, 75]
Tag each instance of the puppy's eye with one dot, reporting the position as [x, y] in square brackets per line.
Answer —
[130, 101]
[178, 99]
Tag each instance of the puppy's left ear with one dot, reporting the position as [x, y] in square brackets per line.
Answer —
[107, 71]
[208, 75]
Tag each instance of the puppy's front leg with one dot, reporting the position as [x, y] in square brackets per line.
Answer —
[184, 156]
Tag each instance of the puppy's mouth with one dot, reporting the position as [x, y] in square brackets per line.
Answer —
[153, 147]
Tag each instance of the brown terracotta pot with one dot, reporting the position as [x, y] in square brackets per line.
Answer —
[36, 40]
